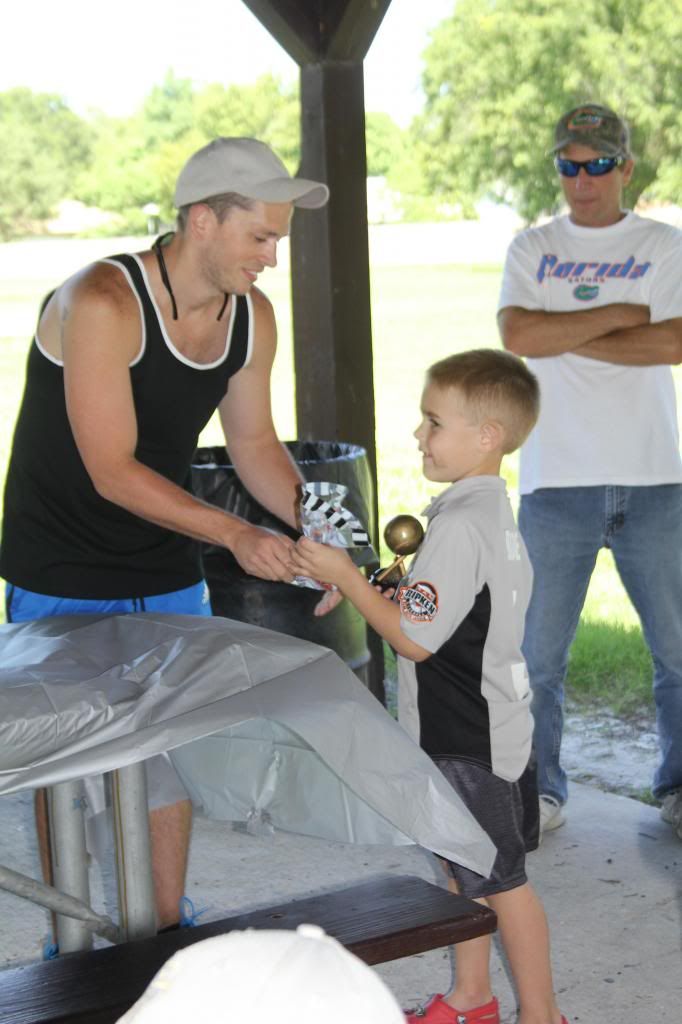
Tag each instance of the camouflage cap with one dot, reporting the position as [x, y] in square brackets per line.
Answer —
[595, 126]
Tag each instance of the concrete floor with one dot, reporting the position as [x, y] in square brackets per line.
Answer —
[610, 879]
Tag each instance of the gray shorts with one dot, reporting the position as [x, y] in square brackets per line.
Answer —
[508, 812]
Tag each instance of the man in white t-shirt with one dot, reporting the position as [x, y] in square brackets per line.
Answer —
[594, 300]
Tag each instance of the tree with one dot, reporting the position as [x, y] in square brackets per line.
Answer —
[266, 109]
[128, 152]
[395, 154]
[499, 74]
[137, 160]
[385, 143]
[44, 147]
[120, 176]
[168, 112]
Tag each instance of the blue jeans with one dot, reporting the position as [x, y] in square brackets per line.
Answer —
[564, 528]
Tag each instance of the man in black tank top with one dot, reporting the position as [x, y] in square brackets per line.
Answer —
[131, 357]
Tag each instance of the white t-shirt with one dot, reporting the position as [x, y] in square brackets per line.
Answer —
[464, 599]
[599, 423]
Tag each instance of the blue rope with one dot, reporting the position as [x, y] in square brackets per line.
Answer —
[189, 915]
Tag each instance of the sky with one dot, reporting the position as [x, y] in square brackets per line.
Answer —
[108, 56]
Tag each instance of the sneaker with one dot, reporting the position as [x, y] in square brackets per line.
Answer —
[551, 816]
[671, 811]
[437, 1011]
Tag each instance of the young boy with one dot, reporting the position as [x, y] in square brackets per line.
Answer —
[456, 623]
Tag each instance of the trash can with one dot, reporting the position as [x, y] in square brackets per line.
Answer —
[281, 606]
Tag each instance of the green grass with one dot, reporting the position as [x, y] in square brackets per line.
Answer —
[610, 664]
[419, 315]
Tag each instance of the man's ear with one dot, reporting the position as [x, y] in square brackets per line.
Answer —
[200, 218]
[492, 435]
[628, 168]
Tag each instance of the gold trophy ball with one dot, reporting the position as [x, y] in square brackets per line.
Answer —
[403, 534]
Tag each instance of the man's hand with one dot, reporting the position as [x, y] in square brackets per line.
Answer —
[333, 565]
[264, 553]
[333, 598]
[658, 344]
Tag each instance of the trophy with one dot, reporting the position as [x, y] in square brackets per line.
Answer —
[403, 535]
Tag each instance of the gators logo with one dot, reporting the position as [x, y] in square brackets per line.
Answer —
[586, 292]
[418, 601]
[585, 119]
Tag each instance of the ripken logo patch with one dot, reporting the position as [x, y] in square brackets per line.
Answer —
[418, 601]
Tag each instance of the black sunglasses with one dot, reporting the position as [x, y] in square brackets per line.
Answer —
[595, 168]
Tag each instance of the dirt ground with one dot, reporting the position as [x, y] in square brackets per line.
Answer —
[615, 754]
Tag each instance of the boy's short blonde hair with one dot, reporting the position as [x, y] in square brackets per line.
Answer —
[495, 385]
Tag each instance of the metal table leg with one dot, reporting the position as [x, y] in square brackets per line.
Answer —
[133, 852]
[69, 859]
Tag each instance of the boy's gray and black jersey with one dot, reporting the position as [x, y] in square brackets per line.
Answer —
[465, 599]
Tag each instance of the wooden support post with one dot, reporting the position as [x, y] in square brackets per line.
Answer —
[330, 277]
[330, 263]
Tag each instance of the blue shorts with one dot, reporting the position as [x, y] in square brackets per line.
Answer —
[25, 605]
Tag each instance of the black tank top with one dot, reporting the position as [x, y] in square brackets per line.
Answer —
[59, 536]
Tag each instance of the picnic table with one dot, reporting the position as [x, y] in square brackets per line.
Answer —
[85, 695]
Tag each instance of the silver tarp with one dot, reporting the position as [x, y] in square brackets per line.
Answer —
[81, 695]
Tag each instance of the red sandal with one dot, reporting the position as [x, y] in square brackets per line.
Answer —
[437, 1011]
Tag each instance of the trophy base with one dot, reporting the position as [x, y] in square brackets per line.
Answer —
[387, 579]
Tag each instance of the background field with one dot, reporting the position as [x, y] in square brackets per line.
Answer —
[420, 313]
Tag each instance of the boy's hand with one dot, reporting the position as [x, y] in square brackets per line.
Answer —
[321, 562]
[333, 565]
[328, 602]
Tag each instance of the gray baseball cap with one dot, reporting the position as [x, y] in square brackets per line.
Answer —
[247, 167]
[595, 126]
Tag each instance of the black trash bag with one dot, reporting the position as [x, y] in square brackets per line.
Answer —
[282, 606]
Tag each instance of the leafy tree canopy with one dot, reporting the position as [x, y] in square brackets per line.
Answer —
[385, 143]
[136, 160]
[499, 74]
[121, 164]
[44, 146]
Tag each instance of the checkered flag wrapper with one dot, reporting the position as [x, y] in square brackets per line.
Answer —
[325, 520]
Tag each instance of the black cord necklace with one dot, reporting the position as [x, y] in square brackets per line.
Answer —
[163, 270]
